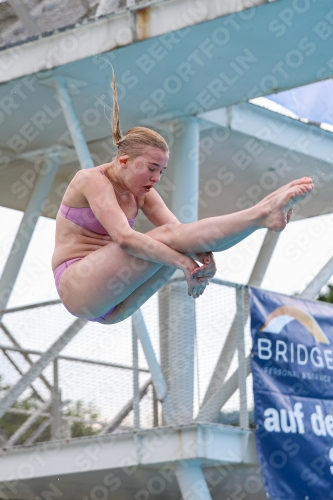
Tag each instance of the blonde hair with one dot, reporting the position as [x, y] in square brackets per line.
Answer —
[134, 141]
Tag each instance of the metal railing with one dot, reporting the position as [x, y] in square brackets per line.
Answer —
[128, 395]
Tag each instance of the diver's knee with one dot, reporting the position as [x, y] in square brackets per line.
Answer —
[168, 234]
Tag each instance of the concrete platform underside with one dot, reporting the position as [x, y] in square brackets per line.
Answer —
[134, 465]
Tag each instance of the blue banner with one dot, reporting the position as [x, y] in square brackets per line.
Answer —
[292, 366]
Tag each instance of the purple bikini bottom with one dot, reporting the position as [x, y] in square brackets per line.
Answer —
[57, 276]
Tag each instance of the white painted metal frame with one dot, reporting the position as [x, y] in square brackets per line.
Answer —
[72, 121]
[9, 399]
[69, 358]
[211, 401]
[26, 229]
[320, 280]
[136, 388]
[116, 421]
[241, 320]
[27, 424]
[56, 423]
[44, 425]
[264, 257]
[205, 443]
[140, 329]
[191, 480]
[176, 341]
[25, 354]
[274, 128]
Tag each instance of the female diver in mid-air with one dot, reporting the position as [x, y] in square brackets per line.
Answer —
[104, 270]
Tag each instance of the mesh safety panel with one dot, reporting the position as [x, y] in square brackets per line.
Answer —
[187, 337]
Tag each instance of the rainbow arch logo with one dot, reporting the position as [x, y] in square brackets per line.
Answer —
[283, 315]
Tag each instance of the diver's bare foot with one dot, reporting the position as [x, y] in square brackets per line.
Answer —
[277, 207]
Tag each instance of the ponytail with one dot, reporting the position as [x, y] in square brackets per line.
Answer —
[116, 131]
[135, 140]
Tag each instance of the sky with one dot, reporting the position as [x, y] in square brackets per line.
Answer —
[302, 250]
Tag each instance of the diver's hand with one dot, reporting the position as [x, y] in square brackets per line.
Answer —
[208, 269]
[196, 287]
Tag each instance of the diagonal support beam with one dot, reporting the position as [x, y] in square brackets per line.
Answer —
[40, 365]
[125, 411]
[222, 367]
[27, 424]
[264, 257]
[214, 402]
[72, 121]
[191, 480]
[229, 348]
[314, 287]
[24, 354]
[225, 392]
[158, 380]
[44, 425]
[212, 405]
[25, 231]
[3, 438]
[12, 362]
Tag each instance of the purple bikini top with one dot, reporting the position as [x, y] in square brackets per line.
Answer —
[85, 217]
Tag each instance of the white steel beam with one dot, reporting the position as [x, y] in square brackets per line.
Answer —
[27, 424]
[140, 329]
[264, 258]
[69, 358]
[72, 121]
[25, 354]
[108, 33]
[185, 158]
[191, 480]
[26, 229]
[18, 369]
[229, 347]
[44, 425]
[116, 421]
[177, 328]
[221, 369]
[207, 444]
[242, 372]
[30, 306]
[9, 399]
[314, 287]
[274, 128]
[56, 424]
[222, 395]
[218, 393]
[135, 377]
